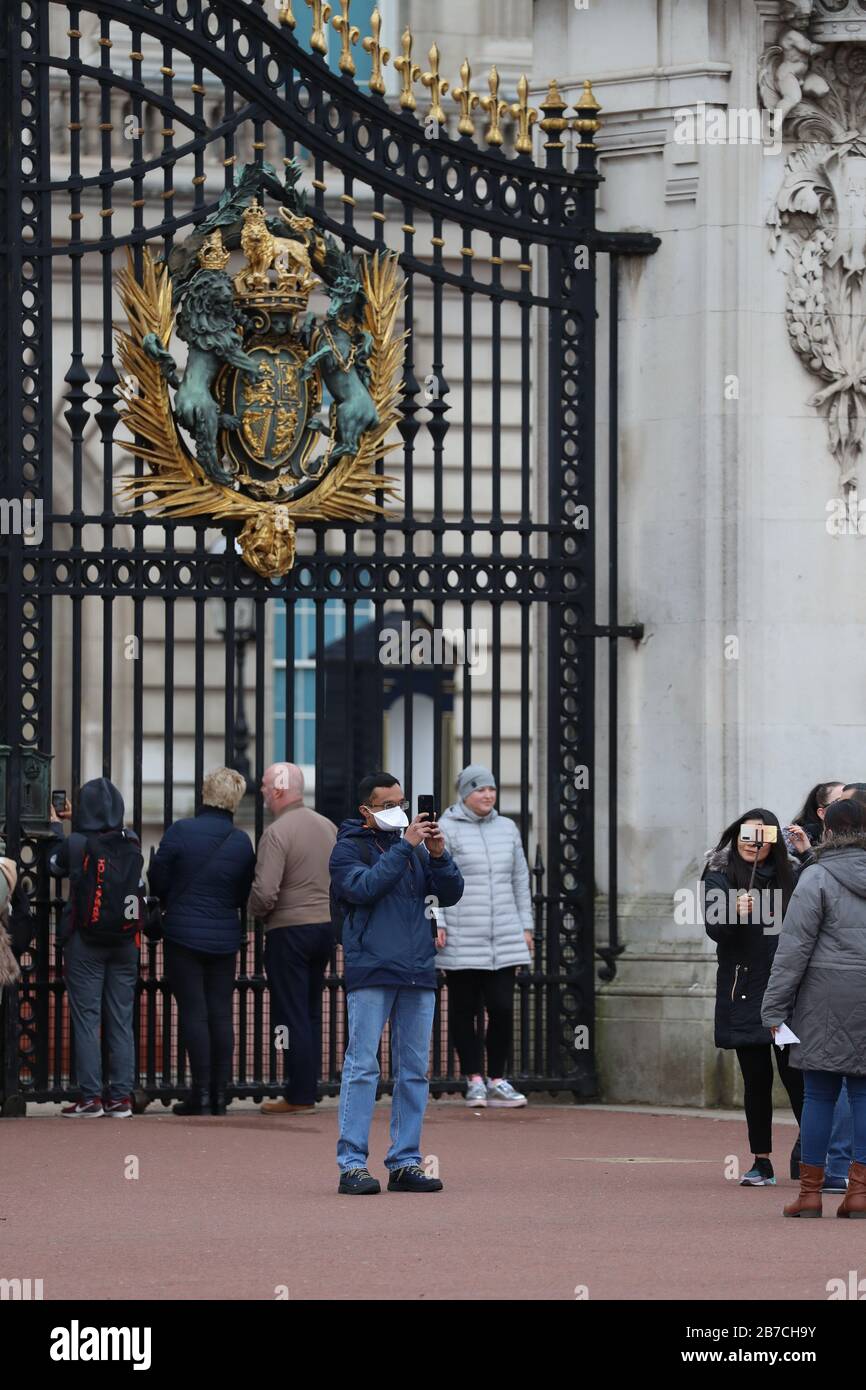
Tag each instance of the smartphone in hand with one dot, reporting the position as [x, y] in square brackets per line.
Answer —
[427, 806]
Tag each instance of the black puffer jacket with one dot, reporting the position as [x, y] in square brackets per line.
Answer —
[744, 950]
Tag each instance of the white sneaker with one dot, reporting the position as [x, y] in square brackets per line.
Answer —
[476, 1094]
[504, 1094]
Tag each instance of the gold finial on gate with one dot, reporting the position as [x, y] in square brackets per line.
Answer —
[587, 109]
[438, 87]
[495, 108]
[409, 71]
[321, 15]
[466, 100]
[286, 15]
[349, 34]
[553, 124]
[524, 114]
[378, 54]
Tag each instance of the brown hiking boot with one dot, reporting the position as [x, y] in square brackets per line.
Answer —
[854, 1201]
[809, 1201]
[282, 1107]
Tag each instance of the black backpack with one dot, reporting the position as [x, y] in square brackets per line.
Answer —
[340, 908]
[106, 897]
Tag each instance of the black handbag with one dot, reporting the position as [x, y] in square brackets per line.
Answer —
[152, 925]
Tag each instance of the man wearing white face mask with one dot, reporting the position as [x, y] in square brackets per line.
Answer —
[384, 882]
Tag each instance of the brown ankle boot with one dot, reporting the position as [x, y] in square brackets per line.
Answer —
[809, 1201]
[854, 1201]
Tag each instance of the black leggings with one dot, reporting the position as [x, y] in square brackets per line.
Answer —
[756, 1064]
[467, 991]
[203, 985]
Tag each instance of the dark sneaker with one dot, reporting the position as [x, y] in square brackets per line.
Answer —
[119, 1109]
[835, 1184]
[412, 1179]
[358, 1181]
[761, 1175]
[90, 1109]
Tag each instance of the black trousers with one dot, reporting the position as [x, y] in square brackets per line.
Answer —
[296, 959]
[756, 1064]
[468, 990]
[204, 986]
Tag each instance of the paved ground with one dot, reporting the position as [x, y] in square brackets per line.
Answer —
[631, 1204]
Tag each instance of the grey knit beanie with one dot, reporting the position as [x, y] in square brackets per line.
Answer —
[473, 777]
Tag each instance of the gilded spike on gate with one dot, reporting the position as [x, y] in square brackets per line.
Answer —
[438, 87]
[286, 15]
[524, 114]
[321, 15]
[378, 54]
[495, 108]
[553, 124]
[466, 100]
[587, 109]
[409, 71]
[349, 34]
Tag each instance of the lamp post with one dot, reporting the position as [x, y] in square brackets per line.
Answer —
[244, 633]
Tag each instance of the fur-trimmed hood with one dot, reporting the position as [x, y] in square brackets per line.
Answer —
[717, 860]
[844, 858]
[856, 840]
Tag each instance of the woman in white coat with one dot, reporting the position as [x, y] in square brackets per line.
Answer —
[487, 934]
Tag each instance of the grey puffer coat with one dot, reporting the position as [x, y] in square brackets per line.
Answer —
[818, 981]
[485, 929]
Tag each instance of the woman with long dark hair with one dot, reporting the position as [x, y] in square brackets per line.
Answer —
[818, 982]
[807, 828]
[748, 882]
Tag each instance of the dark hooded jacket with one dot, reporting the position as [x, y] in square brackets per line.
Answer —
[744, 950]
[818, 981]
[100, 811]
[202, 873]
[387, 936]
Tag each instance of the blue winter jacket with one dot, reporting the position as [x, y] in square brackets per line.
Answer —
[203, 872]
[388, 933]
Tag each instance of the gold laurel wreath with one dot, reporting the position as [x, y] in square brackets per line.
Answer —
[177, 481]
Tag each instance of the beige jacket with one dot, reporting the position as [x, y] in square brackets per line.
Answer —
[291, 887]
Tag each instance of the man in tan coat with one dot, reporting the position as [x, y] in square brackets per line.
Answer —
[291, 896]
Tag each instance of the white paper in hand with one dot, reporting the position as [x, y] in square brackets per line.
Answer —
[784, 1035]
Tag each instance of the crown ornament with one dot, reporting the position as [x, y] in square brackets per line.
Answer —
[213, 255]
[278, 275]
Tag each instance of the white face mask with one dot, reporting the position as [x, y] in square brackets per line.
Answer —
[395, 819]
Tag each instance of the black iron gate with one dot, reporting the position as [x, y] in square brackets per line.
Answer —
[126, 119]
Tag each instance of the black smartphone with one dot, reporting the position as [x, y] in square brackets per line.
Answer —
[58, 801]
[427, 806]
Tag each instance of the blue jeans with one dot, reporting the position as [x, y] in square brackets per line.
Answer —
[100, 983]
[411, 1013]
[839, 1148]
[821, 1093]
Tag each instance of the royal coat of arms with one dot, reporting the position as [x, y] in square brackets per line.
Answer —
[244, 436]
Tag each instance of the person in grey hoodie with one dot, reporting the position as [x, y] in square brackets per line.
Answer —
[487, 934]
[818, 987]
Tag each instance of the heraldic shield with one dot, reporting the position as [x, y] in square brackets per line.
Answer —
[243, 436]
